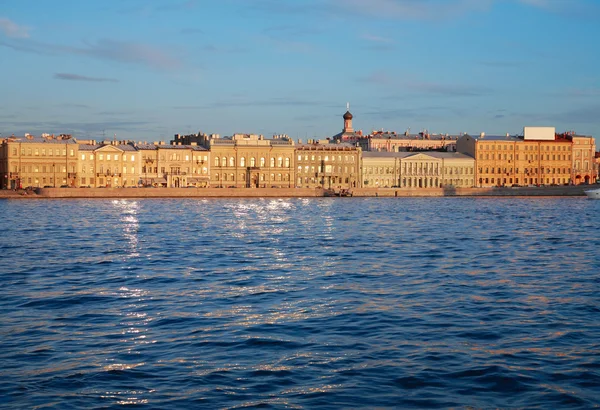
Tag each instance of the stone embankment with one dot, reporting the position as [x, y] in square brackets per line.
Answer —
[48, 193]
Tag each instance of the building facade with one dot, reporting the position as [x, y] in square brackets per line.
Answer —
[110, 164]
[584, 152]
[417, 170]
[508, 161]
[46, 161]
[328, 165]
[174, 166]
[252, 161]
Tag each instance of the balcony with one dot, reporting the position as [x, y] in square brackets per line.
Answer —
[107, 174]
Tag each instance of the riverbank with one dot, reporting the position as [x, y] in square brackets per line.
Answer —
[61, 193]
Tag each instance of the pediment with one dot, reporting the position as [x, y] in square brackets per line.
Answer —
[421, 157]
[109, 148]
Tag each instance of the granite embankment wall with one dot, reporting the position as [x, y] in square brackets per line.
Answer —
[48, 193]
[174, 192]
[436, 192]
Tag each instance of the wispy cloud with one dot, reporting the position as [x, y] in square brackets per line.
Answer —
[12, 29]
[177, 6]
[502, 64]
[571, 8]
[377, 39]
[377, 77]
[412, 9]
[449, 90]
[244, 102]
[104, 49]
[77, 77]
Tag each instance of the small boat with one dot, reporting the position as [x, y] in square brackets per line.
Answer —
[593, 193]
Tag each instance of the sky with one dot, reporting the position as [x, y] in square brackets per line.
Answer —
[147, 69]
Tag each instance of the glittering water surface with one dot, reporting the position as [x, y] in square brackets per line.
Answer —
[300, 303]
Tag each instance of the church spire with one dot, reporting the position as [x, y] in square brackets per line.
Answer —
[348, 120]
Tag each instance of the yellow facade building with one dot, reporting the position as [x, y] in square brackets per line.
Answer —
[110, 164]
[429, 169]
[46, 161]
[508, 160]
[584, 152]
[328, 165]
[174, 165]
[251, 161]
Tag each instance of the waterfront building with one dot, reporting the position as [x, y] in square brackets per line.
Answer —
[250, 160]
[108, 164]
[536, 158]
[429, 169]
[174, 166]
[46, 161]
[584, 152]
[328, 165]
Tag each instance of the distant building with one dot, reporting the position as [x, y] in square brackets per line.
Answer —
[328, 165]
[30, 161]
[584, 153]
[174, 166]
[535, 158]
[108, 164]
[251, 161]
[429, 169]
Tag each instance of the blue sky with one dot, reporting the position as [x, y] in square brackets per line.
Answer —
[147, 69]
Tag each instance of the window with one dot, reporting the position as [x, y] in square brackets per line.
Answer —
[223, 162]
[243, 162]
[262, 161]
[217, 162]
[272, 162]
[287, 162]
[253, 162]
[232, 162]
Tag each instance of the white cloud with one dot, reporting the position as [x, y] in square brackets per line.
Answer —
[12, 29]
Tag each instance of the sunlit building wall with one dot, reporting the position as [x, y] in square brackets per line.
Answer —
[327, 165]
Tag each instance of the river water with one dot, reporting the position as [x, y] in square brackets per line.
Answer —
[300, 303]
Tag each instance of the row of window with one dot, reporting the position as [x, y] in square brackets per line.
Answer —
[281, 162]
[325, 158]
[505, 147]
[328, 169]
[242, 177]
[420, 182]
[41, 168]
[109, 157]
[526, 181]
[102, 169]
[414, 169]
[44, 152]
[525, 170]
[528, 157]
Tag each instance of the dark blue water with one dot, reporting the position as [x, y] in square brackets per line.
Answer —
[300, 303]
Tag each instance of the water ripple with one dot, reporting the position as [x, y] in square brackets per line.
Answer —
[300, 303]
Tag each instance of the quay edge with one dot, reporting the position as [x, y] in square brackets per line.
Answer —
[62, 193]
